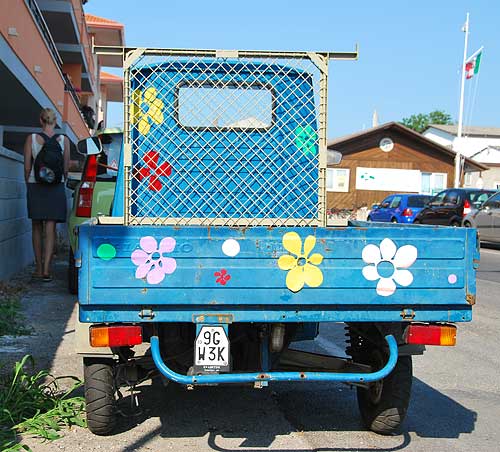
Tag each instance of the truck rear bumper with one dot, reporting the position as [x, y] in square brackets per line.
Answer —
[255, 377]
[277, 313]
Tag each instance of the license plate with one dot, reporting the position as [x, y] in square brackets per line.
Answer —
[211, 350]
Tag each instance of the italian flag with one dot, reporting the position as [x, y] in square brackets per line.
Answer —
[472, 65]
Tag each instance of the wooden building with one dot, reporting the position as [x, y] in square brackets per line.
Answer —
[386, 159]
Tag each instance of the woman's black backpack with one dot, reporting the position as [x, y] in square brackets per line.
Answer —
[49, 163]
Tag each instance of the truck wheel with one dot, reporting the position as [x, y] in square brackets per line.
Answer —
[384, 404]
[72, 274]
[100, 395]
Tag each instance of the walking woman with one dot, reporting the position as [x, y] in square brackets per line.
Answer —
[45, 195]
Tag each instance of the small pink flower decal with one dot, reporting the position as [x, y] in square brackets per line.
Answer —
[151, 260]
[222, 277]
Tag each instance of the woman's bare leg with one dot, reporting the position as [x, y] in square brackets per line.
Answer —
[36, 236]
[50, 239]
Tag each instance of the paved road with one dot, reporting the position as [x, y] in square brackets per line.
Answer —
[455, 400]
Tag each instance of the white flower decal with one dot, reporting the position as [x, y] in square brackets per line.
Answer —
[388, 264]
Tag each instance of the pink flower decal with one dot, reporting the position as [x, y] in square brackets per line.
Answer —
[153, 171]
[151, 260]
[222, 277]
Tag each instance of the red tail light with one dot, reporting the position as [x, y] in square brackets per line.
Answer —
[115, 336]
[86, 192]
[407, 212]
[467, 208]
[431, 334]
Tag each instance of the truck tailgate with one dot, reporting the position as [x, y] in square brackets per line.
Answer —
[366, 272]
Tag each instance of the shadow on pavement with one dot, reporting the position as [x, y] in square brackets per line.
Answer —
[47, 308]
[258, 417]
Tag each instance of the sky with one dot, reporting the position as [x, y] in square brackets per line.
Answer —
[410, 52]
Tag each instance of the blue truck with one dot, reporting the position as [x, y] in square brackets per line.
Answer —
[217, 254]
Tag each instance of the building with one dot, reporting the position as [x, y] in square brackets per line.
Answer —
[386, 159]
[46, 60]
[479, 143]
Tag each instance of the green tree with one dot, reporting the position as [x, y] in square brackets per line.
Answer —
[421, 121]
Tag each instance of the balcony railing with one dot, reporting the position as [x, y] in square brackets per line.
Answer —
[44, 30]
[42, 26]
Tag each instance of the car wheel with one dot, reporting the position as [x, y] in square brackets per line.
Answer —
[384, 404]
[72, 274]
[369, 219]
[394, 220]
[455, 224]
[100, 395]
[467, 225]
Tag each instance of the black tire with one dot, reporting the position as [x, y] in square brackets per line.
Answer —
[455, 224]
[100, 395]
[369, 219]
[384, 405]
[394, 220]
[72, 274]
[467, 225]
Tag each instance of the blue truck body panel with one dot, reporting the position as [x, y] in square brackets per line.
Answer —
[204, 274]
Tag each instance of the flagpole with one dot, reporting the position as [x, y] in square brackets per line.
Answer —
[458, 156]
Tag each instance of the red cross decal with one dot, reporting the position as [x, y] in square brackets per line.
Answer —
[153, 171]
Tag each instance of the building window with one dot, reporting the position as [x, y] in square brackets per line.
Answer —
[433, 183]
[468, 179]
[337, 179]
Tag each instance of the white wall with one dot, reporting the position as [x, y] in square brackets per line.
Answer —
[15, 228]
[468, 146]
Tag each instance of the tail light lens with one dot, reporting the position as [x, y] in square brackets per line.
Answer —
[467, 208]
[407, 212]
[431, 334]
[115, 336]
[86, 191]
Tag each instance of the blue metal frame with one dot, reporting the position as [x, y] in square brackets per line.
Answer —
[275, 376]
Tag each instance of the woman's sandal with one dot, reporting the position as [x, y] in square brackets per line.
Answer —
[47, 278]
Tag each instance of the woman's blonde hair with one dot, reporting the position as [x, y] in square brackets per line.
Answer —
[48, 116]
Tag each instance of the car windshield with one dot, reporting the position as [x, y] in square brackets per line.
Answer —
[478, 197]
[418, 201]
[112, 146]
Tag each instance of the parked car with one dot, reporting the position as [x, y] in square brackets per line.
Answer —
[450, 206]
[93, 194]
[398, 208]
[486, 219]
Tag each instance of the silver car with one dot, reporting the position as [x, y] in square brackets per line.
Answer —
[486, 219]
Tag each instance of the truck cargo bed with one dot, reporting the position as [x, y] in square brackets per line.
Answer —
[351, 274]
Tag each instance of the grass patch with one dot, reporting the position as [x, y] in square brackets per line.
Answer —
[12, 321]
[33, 403]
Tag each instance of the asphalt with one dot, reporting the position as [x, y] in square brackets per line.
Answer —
[455, 398]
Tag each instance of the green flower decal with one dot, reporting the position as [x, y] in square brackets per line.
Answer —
[305, 140]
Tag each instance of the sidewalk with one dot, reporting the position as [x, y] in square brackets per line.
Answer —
[50, 312]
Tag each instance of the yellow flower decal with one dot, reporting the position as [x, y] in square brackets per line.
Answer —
[145, 109]
[301, 266]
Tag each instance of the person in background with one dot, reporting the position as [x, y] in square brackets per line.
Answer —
[46, 202]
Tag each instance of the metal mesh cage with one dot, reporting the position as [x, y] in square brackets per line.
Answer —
[234, 139]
